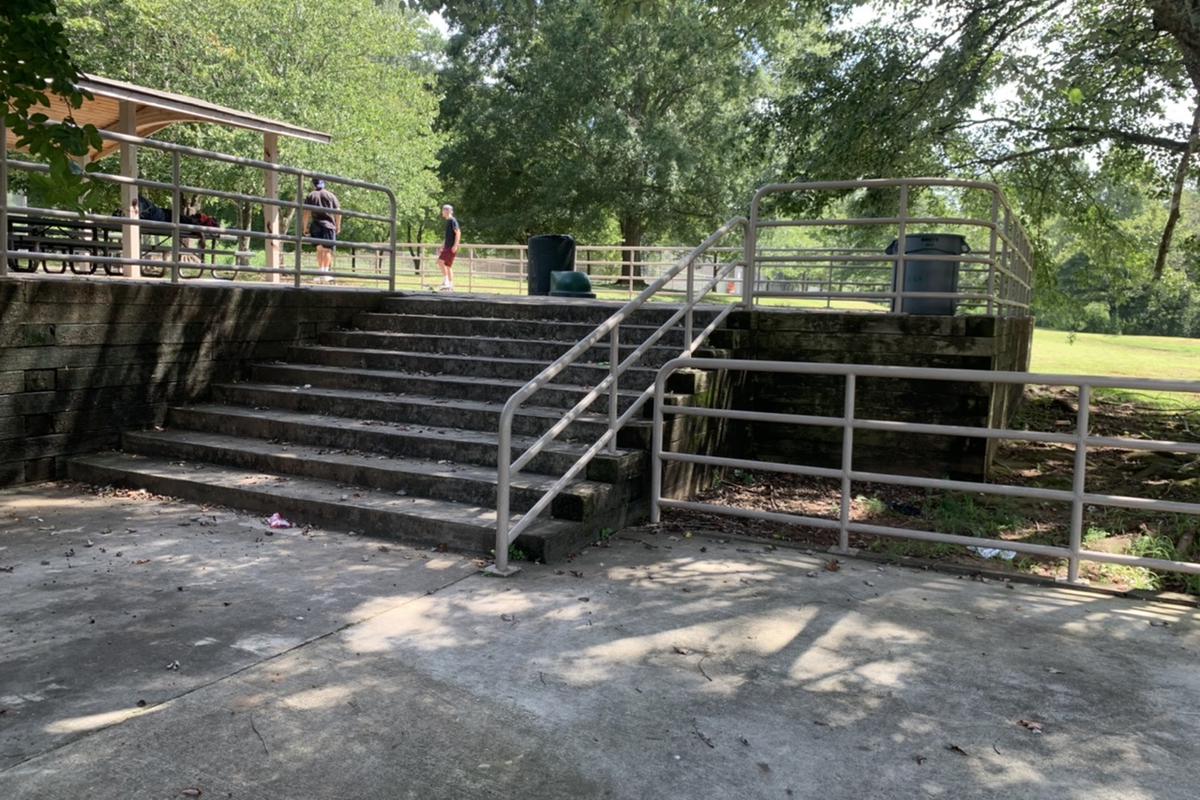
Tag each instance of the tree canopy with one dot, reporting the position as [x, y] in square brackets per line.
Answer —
[649, 121]
[579, 117]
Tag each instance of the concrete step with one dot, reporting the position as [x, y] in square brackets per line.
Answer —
[437, 363]
[307, 501]
[427, 443]
[437, 480]
[506, 328]
[495, 390]
[488, 347]
[421, 410]
[591, 312]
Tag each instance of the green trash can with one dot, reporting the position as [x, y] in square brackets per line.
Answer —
[552, 252]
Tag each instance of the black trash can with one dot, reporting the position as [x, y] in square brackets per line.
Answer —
[552, 252]
[930, 276]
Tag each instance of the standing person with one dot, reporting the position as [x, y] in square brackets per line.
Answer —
[322, 224]
[449, 247]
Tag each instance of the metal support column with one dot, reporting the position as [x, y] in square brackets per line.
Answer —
[274, 247]
[299, 227]
[131, 232]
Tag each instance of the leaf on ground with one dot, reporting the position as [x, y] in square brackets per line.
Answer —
[191, 792]
[1030, 725]
[683, 651]
[832, 565]
[953, 748]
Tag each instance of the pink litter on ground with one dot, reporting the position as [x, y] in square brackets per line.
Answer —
[276, 521]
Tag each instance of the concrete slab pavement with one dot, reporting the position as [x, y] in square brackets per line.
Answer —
[653, 667]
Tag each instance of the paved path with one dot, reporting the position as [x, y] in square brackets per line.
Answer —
[318, 665]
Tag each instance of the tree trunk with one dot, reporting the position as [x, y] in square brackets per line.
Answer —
[631, 239]
[1181, 173]
[414, 252]
[243, 242]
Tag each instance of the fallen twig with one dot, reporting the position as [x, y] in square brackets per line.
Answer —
[261, 740]
[701, 736]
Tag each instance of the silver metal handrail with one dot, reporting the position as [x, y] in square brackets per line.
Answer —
[1081, 439]
[507, 466]
[1008, 259]
[178, 230]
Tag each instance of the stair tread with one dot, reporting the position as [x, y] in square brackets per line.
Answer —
[403, 398]
[453, 379]
[347, 423]
[565, 343]
[289, 487]
[485, 319]
[525, 362]
[399, 464]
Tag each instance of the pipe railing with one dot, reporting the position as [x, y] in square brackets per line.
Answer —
[1081, 439]
[1000, 277]
[507, 466]
[172, 260]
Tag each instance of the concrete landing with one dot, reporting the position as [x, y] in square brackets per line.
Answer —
[317, 665]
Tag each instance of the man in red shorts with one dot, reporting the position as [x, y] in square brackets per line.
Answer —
[449, 248]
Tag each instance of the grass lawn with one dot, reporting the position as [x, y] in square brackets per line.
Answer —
[1100, 354]
[1161, 357]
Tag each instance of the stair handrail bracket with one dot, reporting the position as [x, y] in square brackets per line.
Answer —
[507, 466]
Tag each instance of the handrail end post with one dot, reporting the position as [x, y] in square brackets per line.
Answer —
[497, 571]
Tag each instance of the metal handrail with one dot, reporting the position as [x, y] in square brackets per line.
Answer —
[1081, 439]
[179, 230]
[506, 531]
[1008, 255]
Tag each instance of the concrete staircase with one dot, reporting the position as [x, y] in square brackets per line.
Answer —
[391, 428]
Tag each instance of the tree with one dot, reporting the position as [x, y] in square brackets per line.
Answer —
[35, 65]
[573, 116]
[1023, 91]
[369, 87]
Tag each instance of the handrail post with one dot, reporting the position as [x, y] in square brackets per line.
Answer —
[1006, 249]
[501, 567]
[847, 462]
[392, 250]
[614, 361]
[1079, 481]
[687, 324]
[176, 235]
[299, 254]
[656, 444]
[901, 248]
[991, 290]
[750, 252]
[3, 188]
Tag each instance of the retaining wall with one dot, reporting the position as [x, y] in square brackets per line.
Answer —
[82, 359]
[970, 342]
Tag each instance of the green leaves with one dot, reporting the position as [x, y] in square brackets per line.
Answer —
[34, 66]
[356, 69]
[584, 118]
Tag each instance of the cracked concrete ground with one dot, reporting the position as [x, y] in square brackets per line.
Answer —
[320, 665]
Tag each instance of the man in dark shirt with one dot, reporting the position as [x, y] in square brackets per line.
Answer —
[449, 247]
[322, 224]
